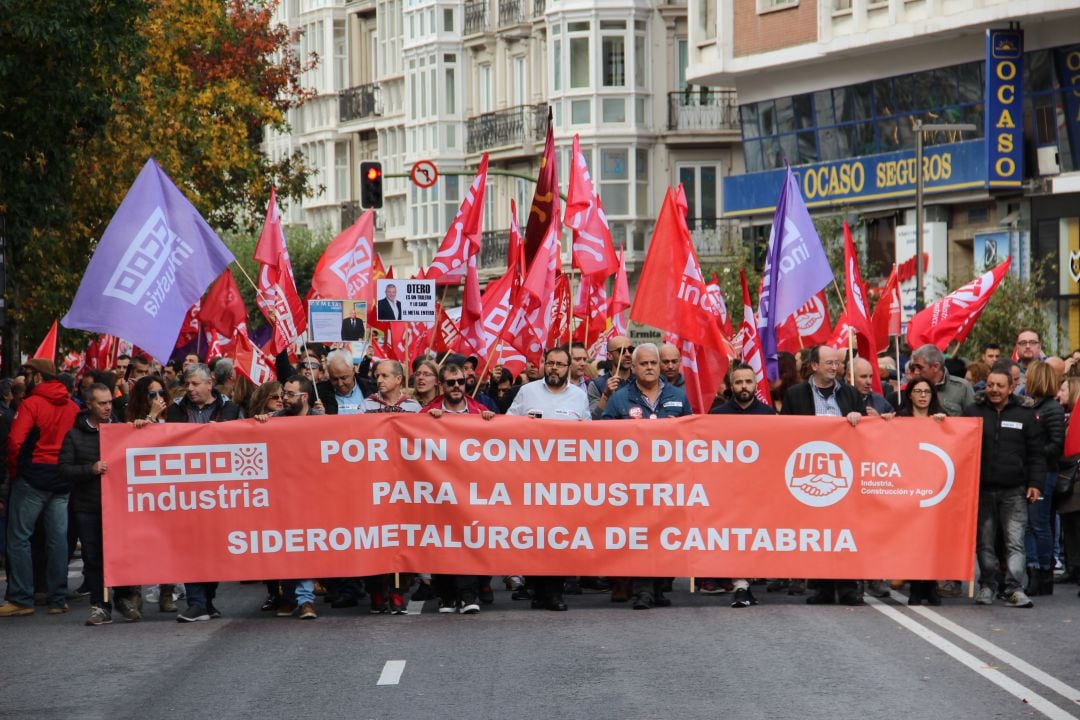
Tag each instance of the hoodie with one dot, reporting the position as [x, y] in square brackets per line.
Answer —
[38, 431]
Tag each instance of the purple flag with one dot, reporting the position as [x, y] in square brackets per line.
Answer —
[796, 268]
[154, 261]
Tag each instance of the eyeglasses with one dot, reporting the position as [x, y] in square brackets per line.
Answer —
[293, 395]
[454, 382]
[156, 393]
[311, 365]
[921, 391]
[558, 365]
[424, 375]
[628, 348]
[1027, 343]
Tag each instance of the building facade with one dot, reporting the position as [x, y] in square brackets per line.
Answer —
[842, 89]
[444, 81]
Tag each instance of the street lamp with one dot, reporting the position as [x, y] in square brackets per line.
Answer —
[920, 128]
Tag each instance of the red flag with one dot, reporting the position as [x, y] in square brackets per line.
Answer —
[515, 251]
[102, 351]
[498, 306]
[250, 360]
[887, 313]
[462, 239]
[530, 322]
[559, 334]
[47, 349]
[544, 210]
[223, 309]
[704, 370]
[446, 335]
[1072, 436]
[592, 251]
[750, 347]
[620, 298]
[277, 296]
[471, 326]
[190, 329]
[671, 293]
[721, 306]
[345, 268]
[952, 317]
[592, 306]
[807, 327]
[856, 317]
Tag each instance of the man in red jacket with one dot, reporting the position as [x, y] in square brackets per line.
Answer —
[33, 451]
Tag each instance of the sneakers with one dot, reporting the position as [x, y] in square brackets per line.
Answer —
[397, 604]
[985, 596]
[710, 587]
[378, 603]
[423, 592]
[642, 601]
[128, 609]
[470, 608]
[743, 598]
[950, 589]
[166, 604]
[878, 589]
[79, 592]
[1019, 599]
[214, 612]
[307, 611]
[195, 613]
[98, 616]
[10, 609]
[447, 607]
[285, 609]
[58, 609]
[272, 602]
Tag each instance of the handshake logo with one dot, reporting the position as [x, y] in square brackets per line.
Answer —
[819, 474]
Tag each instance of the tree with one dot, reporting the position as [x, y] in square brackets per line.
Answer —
[1011, 307]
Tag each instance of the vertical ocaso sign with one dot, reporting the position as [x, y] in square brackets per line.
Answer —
[1004, 107]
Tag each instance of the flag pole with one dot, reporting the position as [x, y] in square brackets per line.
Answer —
[851, 354]
[899, 395]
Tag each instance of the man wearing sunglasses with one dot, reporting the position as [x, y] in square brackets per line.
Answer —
[619, 351]
[457, 593]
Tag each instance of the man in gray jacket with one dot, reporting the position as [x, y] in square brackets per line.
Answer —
[954, 393]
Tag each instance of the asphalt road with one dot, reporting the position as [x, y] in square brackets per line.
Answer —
[697, 659]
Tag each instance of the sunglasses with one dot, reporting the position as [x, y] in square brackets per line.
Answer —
[454, 382]
[311, 365]
[156, 393]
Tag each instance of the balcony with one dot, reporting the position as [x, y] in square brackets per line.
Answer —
[494, 249]
[715, 237]
[703, 110]
[539, 8]
[357, 103]
[476, 17]
[514, 127]
[511, 12]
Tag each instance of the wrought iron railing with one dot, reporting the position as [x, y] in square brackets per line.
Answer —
[715, 237]
[511, 12]
[494, 249]
[512, 126]
[703, 108]
[358, 102]
[539, 8]
[476, 17]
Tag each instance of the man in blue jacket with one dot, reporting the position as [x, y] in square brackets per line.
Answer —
[647, 398]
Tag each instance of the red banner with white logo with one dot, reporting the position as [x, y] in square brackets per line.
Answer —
[334, 496]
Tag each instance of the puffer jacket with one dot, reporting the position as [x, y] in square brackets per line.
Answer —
[1051, 418]
[81, 449]
[1013, 455]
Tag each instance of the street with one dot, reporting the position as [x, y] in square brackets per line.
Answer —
[697, 659]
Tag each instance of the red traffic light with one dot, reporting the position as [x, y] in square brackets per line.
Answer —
[373, 173]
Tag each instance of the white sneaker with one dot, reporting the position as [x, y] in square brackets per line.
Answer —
[985, 596]
[1019, 600]
[447, 609]
[470, 609]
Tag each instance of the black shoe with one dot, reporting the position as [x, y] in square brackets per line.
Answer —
[486, 595]
[522, 593]
[1046, 582]
[661, 600]
[271, 603]
[195, 613]
[536, 604]
[667, 584]
[556, 603]
[571, 586]
[422, 594]
[214, 612]
[642, 601]
[344, 601]
[743, 598]
[821, 599]
[851, 599]
[594, 584]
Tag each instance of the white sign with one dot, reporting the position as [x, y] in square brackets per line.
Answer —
[335, 321]
[936, 250]
[405, 300]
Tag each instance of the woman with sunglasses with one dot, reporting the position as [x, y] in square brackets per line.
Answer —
[266, 400]
[921, 400]
[147, 403]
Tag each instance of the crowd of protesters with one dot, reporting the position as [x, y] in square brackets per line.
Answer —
[1028, 532]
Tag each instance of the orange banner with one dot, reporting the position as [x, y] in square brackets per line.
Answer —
[705, 496]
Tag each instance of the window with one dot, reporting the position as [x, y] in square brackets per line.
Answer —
[641, 174]
[451, 198]
[701, 185]
[451, 91]
[448, 20]
[613, 49]
[341, 72]
[579, 62]
[615, 181]
[764, 6]
[613, 110]
[557, 66]
[341, 171]
[640, 73]
[707, 18]
[520, 89]
[484, 89]
[581, 112]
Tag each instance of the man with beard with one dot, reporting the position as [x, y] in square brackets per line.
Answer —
[744, 401]
[38, 489]
[600, 390]
[468, 366]
[647, 397]
[552, 398]
[457, 593]
[297, 400]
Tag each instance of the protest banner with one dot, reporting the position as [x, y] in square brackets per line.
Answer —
[704, 496]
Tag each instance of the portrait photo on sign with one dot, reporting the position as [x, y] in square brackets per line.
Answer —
[405, 300]
[352, 320]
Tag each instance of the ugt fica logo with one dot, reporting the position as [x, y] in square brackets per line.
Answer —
[818, 474]
[199, 463]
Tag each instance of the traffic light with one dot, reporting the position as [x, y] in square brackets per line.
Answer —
[370, 184]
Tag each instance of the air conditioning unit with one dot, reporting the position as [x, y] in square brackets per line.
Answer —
[1048, 160]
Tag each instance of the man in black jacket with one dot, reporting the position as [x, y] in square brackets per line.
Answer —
[201, 404]
[1013, 470]
[824, 396]
[81, 465]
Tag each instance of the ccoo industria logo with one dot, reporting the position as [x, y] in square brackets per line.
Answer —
[819, 474]
[197, 463]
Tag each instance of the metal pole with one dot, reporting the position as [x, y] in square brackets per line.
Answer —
[919, 297]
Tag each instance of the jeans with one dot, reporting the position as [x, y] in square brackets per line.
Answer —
[1039, 537]
[1003, 511]
[27, 504]
[201, 594]
[93, 557]
[305, 591]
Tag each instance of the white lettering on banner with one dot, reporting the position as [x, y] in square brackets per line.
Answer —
[148, 266]
[819, 474]
[615, 494]
[197, 463]
[501, 537]
[692, 288]
[220, 498]
[354, 268]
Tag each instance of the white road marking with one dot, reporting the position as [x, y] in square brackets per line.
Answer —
[973, 663]
[1021, 666]
[391, 672]
[415, 607]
